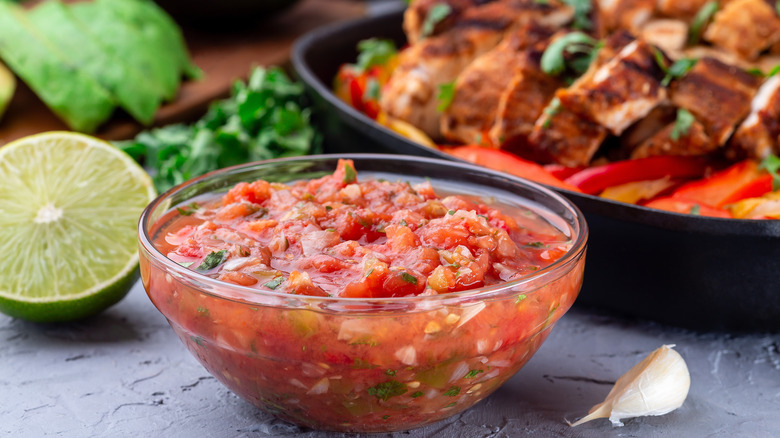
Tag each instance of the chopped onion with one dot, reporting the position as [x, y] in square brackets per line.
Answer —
[320, 387]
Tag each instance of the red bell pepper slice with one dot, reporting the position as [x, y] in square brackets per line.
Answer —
[740, 181]
[562, 172]
[686, 206]
[595, 179]
[504, 161]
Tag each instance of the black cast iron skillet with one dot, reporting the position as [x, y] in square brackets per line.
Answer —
[689, 271]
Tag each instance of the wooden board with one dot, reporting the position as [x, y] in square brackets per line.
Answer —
[223, 56]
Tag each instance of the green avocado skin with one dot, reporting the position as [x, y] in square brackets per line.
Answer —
[140, 46]
[78, 99]
[140, 98]
[7, 88]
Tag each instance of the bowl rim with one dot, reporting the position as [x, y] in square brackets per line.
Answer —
[591, 204]
[246, 294]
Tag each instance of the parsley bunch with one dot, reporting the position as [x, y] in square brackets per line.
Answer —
[263, 119]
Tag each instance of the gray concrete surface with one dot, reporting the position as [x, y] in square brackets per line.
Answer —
[125, 374]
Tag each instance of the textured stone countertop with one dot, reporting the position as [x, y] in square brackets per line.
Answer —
[125, 374]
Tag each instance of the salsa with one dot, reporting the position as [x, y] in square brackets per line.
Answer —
[358, 323]
[336, 236]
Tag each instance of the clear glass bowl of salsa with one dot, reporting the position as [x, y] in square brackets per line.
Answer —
[384, 329]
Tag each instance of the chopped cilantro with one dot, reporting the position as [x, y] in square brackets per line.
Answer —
[536, 245]
[404, 223]
[350, 176]
[372, 90]
[386, 390]
[450, 405]
[203, 311]
[212, 260]
[471, 374]
[695, 210]
[521, 297]
[554, 61]
[409, 278]
[417, 394]
[197, 339]
[273, 284]
[328, 208]
[390, 372]
[188, 210]
[330, 230]
[700, 21]
[436, 14]
[772, 165]
[374, 51]
[385, 417]
[446, 94]
[678, 69]
[582, 10]
[451, 212]
[453, 391]
[682, 125]
[552, 109]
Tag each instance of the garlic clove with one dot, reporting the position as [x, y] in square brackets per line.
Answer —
[655, 386]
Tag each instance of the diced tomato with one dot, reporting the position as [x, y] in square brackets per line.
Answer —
[499, 160]
[686, 206]
[740, 181]
[595, 179]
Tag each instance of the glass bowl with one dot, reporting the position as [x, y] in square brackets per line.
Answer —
[365, 365]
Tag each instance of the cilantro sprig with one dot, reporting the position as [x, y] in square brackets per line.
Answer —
[677, 70]
[436, 15]
[267, 117]
[682, 125]
[446, 95]
[374, 51]
[700, 21]
[772, 165]
[212, 260]
[554, 60]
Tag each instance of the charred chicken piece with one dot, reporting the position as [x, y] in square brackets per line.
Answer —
[522, 102]
[562, 136]
[418, 12]
[693, 141]
[757, 136]
[667, 34]
[619, 92]
[473, 109]
[717, 94]
[744, 27]
[682, 9]
[625, 14]
[412, 91]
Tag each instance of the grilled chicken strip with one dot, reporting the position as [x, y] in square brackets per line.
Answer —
[718, 95]
[412, 91]
[759, 134]
[417, 13]
[744, 27]
[619, 92]
[562, 136]
[529, 91]
[694, 141]
[682, 9]
[480, 86]
[625, 14]
[667, 34]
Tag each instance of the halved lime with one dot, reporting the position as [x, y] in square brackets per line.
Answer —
[69, 207]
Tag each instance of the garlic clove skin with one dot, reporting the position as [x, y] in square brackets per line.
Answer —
[657, 385]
